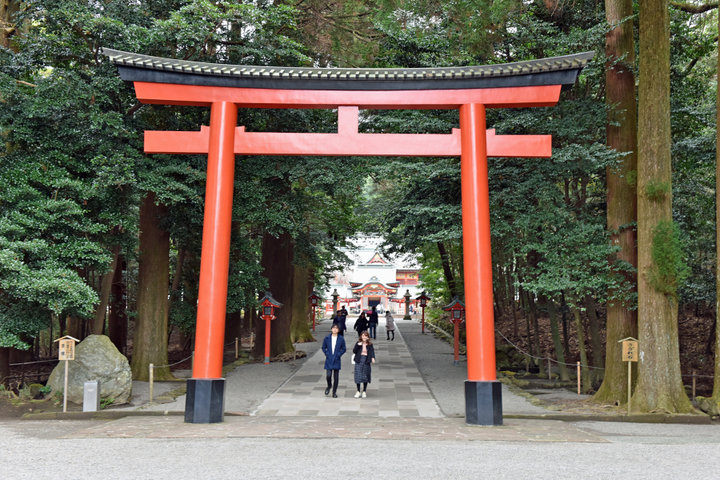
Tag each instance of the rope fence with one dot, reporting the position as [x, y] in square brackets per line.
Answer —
[32, 363]
[152, 367]
[578, 365]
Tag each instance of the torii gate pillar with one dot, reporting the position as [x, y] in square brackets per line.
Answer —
[205, 390]
[483, 400]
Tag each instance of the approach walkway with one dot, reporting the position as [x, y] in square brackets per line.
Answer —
[414, 377]
[397, 388]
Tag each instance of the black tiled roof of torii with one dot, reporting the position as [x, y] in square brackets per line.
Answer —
[546, 71]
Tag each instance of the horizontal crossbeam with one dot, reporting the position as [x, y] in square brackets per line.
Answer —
[348, 142]
[361, 144]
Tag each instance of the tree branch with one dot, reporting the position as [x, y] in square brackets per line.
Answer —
[134, 109]
[690, 8]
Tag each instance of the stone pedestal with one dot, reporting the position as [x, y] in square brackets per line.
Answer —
[205, 400]
[483, 403]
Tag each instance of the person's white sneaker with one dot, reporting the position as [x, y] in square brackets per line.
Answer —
[357, 394]
[364, 395]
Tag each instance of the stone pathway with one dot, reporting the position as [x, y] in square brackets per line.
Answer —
[397, 388]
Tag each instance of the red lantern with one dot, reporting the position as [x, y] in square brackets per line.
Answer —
[457, 314]
[268, 304]
[314, 300]
[423, 298]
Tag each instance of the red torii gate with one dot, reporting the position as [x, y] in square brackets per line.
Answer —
[225, 88]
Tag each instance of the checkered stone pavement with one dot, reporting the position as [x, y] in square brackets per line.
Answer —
[396, 390]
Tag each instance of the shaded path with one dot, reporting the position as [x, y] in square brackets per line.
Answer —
[397, 388]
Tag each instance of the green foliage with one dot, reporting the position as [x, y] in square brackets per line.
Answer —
[656, 190]
[693, 116]
[73, 171]
[57, 182]
[668, 270]
[631, 178]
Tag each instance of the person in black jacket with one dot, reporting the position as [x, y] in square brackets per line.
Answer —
[361, 324]
[339, 320]
[373, 322]
[364, 357]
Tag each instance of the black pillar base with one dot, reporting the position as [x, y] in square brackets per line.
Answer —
[483, 403]
[205, 400]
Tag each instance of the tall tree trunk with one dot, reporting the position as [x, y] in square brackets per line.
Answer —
[233, 324]
[513, 306]
[716, 380]
[565, 329]
[621, 191]
[250, 321]
[75, 327]
[595, 341]
[175, 290]
[179, 265]
[583, 350]
[4, 364]
[117, 320]
[98, 324]
[151, 326]
[538, 349]
[8, 9]
[277, 263]
[525, 300]
[500, 293]
[659, 386]
[533, 322]
[300, 327]
[557, 342]
[447, 270]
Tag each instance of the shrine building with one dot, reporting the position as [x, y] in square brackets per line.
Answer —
[374, 280]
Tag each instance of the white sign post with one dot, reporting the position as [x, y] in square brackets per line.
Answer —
[629, 355]
[66, 352]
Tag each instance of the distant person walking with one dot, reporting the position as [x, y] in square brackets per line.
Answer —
[361, 324]
[333, 347]
[389, 325]
[373, 322]
[340, 320]
[364, 357]
[343, 320]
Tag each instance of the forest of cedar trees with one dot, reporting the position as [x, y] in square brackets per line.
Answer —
[612, 237]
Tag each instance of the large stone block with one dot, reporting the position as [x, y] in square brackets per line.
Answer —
[96, 358]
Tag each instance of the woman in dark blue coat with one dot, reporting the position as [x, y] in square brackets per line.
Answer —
[333, 347]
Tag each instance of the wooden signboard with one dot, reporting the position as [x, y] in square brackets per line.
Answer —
[66, 349]
[630, 350]
[66, 352]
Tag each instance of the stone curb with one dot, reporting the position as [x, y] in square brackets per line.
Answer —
[647, 418]
[644, 418]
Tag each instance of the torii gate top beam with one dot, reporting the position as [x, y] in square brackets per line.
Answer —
[174, 82]
[195, 83]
